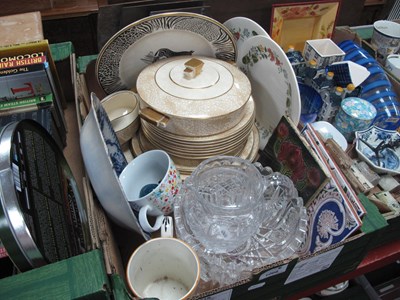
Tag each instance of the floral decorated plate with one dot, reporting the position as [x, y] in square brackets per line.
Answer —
[159, 36]
[380, 148]
[243, 28]
[274, 85]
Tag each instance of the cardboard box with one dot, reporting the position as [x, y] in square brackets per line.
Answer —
[281, 279]
[64, 59]
[22, 28]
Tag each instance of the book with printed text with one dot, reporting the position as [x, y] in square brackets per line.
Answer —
[32, 72]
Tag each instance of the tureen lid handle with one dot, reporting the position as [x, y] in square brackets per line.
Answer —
[193, 68]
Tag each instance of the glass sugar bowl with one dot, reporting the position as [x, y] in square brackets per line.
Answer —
[227, 202]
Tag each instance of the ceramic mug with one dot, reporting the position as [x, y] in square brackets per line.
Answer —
[393, 64]
[164, 268]
[150, 182]
[386, 38]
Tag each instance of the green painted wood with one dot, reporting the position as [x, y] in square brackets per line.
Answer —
[120, 290]
[79, 277]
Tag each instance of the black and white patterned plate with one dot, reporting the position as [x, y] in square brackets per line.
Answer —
[156, 37]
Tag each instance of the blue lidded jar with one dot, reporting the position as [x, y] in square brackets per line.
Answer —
[355, 114]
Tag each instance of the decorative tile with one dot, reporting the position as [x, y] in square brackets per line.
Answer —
[288, 153]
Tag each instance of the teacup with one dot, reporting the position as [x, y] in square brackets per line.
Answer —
[150, 182]
[164, 268]
[122, 108]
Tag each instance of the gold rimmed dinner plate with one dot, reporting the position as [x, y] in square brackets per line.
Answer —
[218, 144]
[194, 149]
[244, 125]
[168, 138]
[140, 144]
[176, 151]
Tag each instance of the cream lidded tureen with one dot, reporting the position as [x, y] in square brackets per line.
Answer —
[193, 96]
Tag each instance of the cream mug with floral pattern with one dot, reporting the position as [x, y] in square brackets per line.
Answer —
[150, 182]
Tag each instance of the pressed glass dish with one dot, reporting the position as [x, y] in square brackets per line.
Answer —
[279, 235]
[227, 202]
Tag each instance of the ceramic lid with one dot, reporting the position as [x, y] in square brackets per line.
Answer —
[193, 87]
[358, 108]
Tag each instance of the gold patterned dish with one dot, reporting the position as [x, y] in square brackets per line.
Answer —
[207, 102]
[156, 37]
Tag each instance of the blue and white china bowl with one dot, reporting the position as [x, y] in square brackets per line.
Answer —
[389, 157]
[354, 114]
[110, 138]
[102, 174]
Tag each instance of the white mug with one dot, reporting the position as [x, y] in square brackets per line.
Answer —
[386, 38]
[393, 64]
[164, 268]
[150, 182]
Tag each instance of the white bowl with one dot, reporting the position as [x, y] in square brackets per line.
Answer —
[389, 158]
[102, 175]
[327, 130]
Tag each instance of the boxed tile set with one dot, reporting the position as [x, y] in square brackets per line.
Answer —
[325, 211]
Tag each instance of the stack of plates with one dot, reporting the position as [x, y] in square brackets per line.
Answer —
[186, 165]
[188, 152]
[229, 142]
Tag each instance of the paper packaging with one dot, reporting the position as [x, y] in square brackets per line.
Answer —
[21, 28]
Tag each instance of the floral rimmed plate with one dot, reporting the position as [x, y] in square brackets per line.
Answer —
[159, 36]
[294, 23]
[380, 148]
[243, 28]
[274, 85]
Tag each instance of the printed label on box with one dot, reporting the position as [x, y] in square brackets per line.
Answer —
[273, 272]
[256, 286]
[313, 265]
[225, 295]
